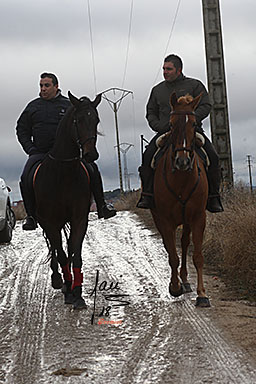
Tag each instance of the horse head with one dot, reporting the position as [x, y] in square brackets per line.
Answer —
[85, 121]
[183, 127]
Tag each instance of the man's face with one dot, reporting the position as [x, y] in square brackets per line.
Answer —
[170, 72]
[47, 89]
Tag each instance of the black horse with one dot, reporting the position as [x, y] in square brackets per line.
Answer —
[63, 193]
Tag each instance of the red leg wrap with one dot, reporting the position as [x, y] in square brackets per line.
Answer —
[78, 278]
[66, 273]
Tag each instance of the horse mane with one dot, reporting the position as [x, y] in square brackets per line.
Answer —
[185, 99]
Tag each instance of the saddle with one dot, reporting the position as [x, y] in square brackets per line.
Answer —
[34, 169]
[161, 144]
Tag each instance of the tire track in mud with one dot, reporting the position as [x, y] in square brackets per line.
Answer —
[24, 303]
[204, 357]
[160, 340]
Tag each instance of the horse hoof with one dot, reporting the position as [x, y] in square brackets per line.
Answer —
[177, 293]
[202, 302]
[57, 282]
[79, 303]
[68, 298]
[188, 288]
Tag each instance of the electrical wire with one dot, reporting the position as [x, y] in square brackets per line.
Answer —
[169, 38]
[128, 44]
[92, 50]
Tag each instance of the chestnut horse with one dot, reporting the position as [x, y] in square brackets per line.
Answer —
[180, 193]
[63, 194]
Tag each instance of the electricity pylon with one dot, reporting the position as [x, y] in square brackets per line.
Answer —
[126, 174]
[115, 105]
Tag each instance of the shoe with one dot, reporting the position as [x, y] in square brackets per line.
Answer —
[214, 204]
[106, 212]
[30, 224]
[145, 202]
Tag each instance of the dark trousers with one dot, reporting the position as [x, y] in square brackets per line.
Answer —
[209, 148]
[147, 173]
[26, 183]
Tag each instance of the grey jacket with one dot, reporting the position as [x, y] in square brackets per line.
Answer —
[158, 106]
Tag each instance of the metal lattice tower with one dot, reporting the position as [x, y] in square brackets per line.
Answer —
[126, 174]
[217, 86]
[115, 105]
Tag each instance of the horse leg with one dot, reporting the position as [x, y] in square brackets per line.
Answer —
[56, 278]
[176, 288]
[76, 240]
[169, 239]
[197, 237]
[185, 240]
[55, 239]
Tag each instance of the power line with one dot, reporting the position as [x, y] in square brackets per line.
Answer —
[128, 43]
[92, 50]
[170, 36]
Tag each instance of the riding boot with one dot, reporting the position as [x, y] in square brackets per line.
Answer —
[214, 203]
[104, 211]
[29, 204]
[147, 180]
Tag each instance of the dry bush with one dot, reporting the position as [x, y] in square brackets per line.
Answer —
[128, 201]
[19, 211]
[230, 244]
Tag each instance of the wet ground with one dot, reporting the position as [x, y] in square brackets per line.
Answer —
[132, 330]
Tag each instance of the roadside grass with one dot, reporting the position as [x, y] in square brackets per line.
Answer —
[230, 238]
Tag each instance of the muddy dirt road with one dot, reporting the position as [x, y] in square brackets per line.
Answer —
[151, 339]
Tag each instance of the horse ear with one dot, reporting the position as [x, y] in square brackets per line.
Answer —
[97, 100]
[173, 99]
[74, 100]
[194, 103]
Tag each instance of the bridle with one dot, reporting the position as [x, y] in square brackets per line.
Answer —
[183, 202]
[78, 140]
[190, 149]
[80, 143]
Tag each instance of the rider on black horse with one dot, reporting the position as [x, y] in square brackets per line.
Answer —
[158, 115]
[36, 131]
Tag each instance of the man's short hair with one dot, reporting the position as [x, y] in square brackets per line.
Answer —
[51, 76]
[176, 60]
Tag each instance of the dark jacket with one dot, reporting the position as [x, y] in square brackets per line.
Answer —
[37, 125]
[158, 106]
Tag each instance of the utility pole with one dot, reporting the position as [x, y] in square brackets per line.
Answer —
[115, 105]
[217, 86]
[126, 174]
[250, 171]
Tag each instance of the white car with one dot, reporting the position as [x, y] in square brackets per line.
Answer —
[7, 216]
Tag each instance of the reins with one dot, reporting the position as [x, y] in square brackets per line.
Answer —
[178, 197]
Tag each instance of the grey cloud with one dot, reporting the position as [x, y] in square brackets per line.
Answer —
[53, 35]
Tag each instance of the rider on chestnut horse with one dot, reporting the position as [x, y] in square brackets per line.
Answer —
[158, 115]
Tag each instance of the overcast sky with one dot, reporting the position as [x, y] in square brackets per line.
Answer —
[54, 36]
